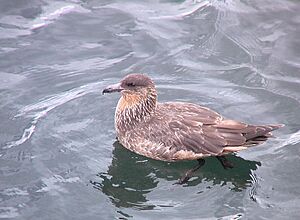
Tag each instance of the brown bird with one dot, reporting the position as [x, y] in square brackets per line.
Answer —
[174, 131]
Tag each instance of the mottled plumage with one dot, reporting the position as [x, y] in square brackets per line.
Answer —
[174, 131]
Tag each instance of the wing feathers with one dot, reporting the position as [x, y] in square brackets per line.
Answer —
[189, 131]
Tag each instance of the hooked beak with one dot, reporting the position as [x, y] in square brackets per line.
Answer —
[113, 88]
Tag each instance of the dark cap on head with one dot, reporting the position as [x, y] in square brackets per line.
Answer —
[130, 81]
[136, 79]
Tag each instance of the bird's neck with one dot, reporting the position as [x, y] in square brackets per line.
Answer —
[134, 108]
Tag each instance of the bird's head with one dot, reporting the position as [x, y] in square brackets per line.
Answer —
[139, 95]
[133, 87]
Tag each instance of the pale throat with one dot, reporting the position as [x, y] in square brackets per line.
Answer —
[134, 108]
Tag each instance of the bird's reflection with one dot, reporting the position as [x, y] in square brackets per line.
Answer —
[130, 176]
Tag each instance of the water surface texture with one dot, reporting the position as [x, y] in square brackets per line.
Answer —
[59, 158]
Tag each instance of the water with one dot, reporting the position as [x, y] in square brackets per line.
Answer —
[58, 156]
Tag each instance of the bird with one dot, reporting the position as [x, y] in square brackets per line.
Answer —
[176, 131]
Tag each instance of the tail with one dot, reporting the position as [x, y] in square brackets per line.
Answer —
[259, 134]
[254, 135]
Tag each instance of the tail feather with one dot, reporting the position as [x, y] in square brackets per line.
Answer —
[254, 135]
[254, 132]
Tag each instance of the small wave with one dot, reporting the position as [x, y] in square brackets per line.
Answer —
[9, 80]
[232, 217]
[227, 25]
[20, 26]
[8, 212]
[53, 184]
[53, 11]
[165, 10]
[292, 139]
[187, 10]
[78, 67]
[14, 192]
[40, 109]
[255, 185]
[148, 16]
[281, 142]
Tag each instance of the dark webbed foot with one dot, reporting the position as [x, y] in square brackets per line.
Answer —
[190, 172]
[225, 163]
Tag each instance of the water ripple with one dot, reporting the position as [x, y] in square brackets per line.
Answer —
[293, 139]
[53, 184]
[187, 8]
[149, 16]
[39, 110]
[14, 192]
[255, 185]
[161, 10]
[98, 63]
[8, 212]
[20, 26]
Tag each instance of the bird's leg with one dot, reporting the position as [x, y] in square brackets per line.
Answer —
[225, 163]
[190, 172]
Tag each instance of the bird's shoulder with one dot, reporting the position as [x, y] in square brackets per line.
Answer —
[187, 112]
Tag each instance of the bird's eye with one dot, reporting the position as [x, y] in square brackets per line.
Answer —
[130, 84]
